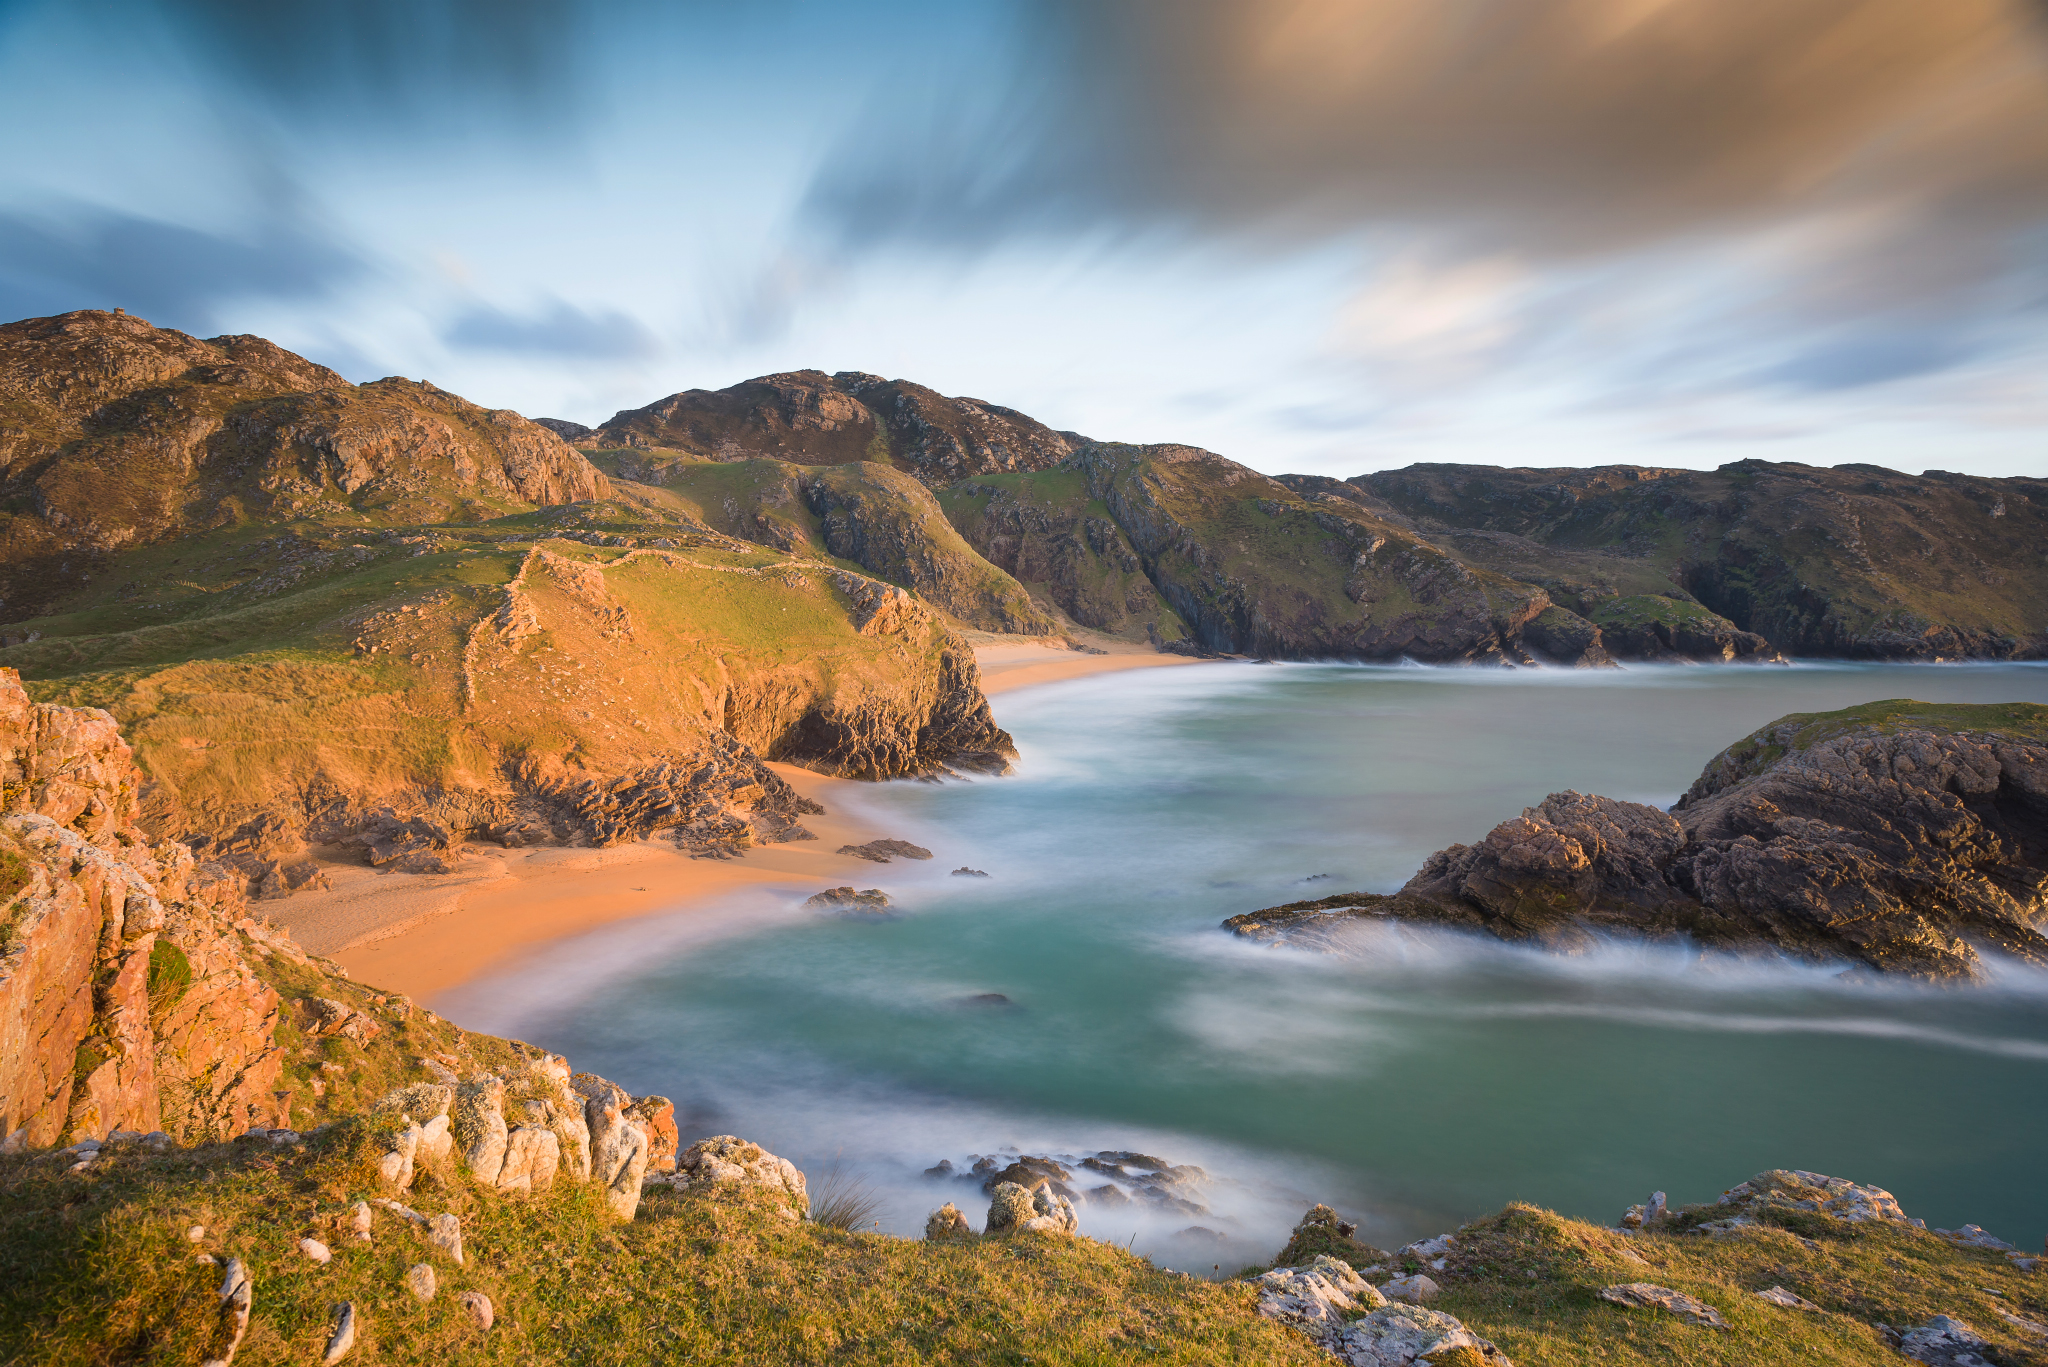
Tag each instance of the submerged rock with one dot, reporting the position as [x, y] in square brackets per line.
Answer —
[964, 872]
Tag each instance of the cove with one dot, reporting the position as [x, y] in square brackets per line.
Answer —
[1415, 1085]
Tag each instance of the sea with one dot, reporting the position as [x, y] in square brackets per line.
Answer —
[1081, 999]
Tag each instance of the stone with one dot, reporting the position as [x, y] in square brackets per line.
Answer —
[419, 1279]
[1416, 1289]
[657, 1116]
[882, 851]
[1975, 1236]
[436, 1141]
[419, 1099]
[846, 899]
[479, 1125]
[1318, 1298]
[1645, 1296]
[232, 1321]
[359, 1220]
[1945, 1341]
[726, 1159]
[532, 1158]
[402, 1212]
[395, 1166]
[947, 1223]
[315, 1250]
[1409, 1336]
[1798, 1190]
[477, 1306]
[618, 1153]
[1009, 1207]
[1778, 1295]
[344, 1336]
[1015, 1210]
[444, 1232]
[196, 1233]
[964, 872]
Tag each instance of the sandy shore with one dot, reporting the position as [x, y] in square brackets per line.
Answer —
[422, 934]
[1022, 664]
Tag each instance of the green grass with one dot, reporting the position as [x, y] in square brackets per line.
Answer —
[1655, 609]
[96, 1268]
[1798, 731]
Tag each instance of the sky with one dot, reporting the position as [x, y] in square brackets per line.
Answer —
[1328, 236]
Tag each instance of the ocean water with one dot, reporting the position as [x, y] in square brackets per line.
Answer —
[1419, 1081]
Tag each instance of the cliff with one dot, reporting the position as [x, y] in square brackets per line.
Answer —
[115, 434]
[810, 418]
[1900, 837]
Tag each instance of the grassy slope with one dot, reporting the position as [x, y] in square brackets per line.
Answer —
[96, 1268]
[1651, 609]
[1804, 730]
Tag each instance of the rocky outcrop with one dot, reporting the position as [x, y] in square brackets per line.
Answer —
[810, 418]
[724, 1160]
[1324, 1297]
[1902, 837]
[127, 1000]
[1563, 637]
[120, 434]
[1014, 1209]
[1663, 629]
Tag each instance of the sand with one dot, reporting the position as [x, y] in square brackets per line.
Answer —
[426, 934]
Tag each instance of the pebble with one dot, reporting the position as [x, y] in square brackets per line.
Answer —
[419, 1279]
[315, 1250]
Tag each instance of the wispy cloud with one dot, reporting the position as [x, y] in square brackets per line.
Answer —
[558, 329]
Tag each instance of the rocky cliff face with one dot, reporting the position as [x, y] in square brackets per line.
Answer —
[810, 418]
[1854, 561]
[115, 434]
[1905, 837]
[126, 996]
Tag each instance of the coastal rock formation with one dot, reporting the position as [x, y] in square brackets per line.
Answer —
[811, 418]
[882, 851]
[121, 434]
[1318, 1296]
[724, 1159]
[1904, 837]
[1014, 1209]
[1662, 629]
[847, 899]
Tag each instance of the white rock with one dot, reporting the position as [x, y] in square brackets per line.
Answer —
[344, 1336]
[1404, 1335]
[1791, 1300]
[315, 1250]
[359, 1220]
[1316, 1297]
[419, 1279]
[723, 1158]
[1945, 1342]
[196, 1233]
[478, 1307]
[1416, 1289]
[444, 1232]
[437, 1141]
[236, 1296]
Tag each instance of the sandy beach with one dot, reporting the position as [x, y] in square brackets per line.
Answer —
[423, 934]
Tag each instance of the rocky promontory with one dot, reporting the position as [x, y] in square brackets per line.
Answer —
[1899, 837]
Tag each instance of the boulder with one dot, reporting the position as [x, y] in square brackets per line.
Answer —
[1014, 1210]
[1416, 1289]
[947, 1223]
[477, 1306]
[479, 1125]
[1318, 1298]
[1945, 1341]
[846, 899]
[532, 1158]
[1410, 1335]
[882, 851]
[726, 1159]
[1646, 1296]
[344, 1336]
[419, 1279]
[315, 1250]
[444, 1232]
[618, 1153]
[394, 1167]
[1799, 1190]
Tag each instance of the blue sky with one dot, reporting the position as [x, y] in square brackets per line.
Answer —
[1319, 235]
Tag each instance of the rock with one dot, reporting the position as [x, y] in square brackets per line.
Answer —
[964, 872]
[419, 1279]
[532, 1158]
[1778, 1295]
[344, 1336]
[478, 1307]
[1028, 1172]
[359, 1220]
[1974, 1236]
[1410, 1335]
[315, 1250]
[725, 1159]
[618, 1153]
[1014, 1210]
[1563, 637]
[436, 1141]
[395, 1167]
[1945, 1341]
[479, 1126]
[196, 1233]
[988, 999]
[846, 899]
[232, 1319]
[420, 1099]
[882, 851]
[406, 1213]
[1888, 836]
[1799, 1190]
[444, 1232]
[947, 1223]
[657, 1116]
[1645, 1296]
[1318, 1298]
[1416, 1289]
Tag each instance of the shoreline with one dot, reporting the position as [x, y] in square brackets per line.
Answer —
[427, 935]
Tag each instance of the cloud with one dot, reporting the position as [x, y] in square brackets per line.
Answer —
[560, 329]
[175, 275]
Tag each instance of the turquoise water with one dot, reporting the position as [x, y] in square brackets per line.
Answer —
[1420, 1081]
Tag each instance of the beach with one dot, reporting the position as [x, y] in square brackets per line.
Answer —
[423, 934]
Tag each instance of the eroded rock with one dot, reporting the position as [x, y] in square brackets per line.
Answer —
[726, 1159]
[1648, 1296]
[947, 1223]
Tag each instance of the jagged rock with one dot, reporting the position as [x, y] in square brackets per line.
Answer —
[1318, 1298]
[618, 1152]
[444, 1232]
[964, 872]
[724, 1158]
[657, 1116]
[1014, 1210]
[232, 1319]
[1790, 1300]
[478, 1307]
[846, 899]
[947, 1223]
[1646, 1296]
[1975, 1236]
[532, 1158]
[1799, 1190]
[1028, 1172]
[882, 851]
[1410, 1335]
[420, 1280]
[479, 1125]
[1563, 637]
[1945, 1341]
[315, 1250]
[1416, 1289]
[1892, 835]
[344, 1336]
